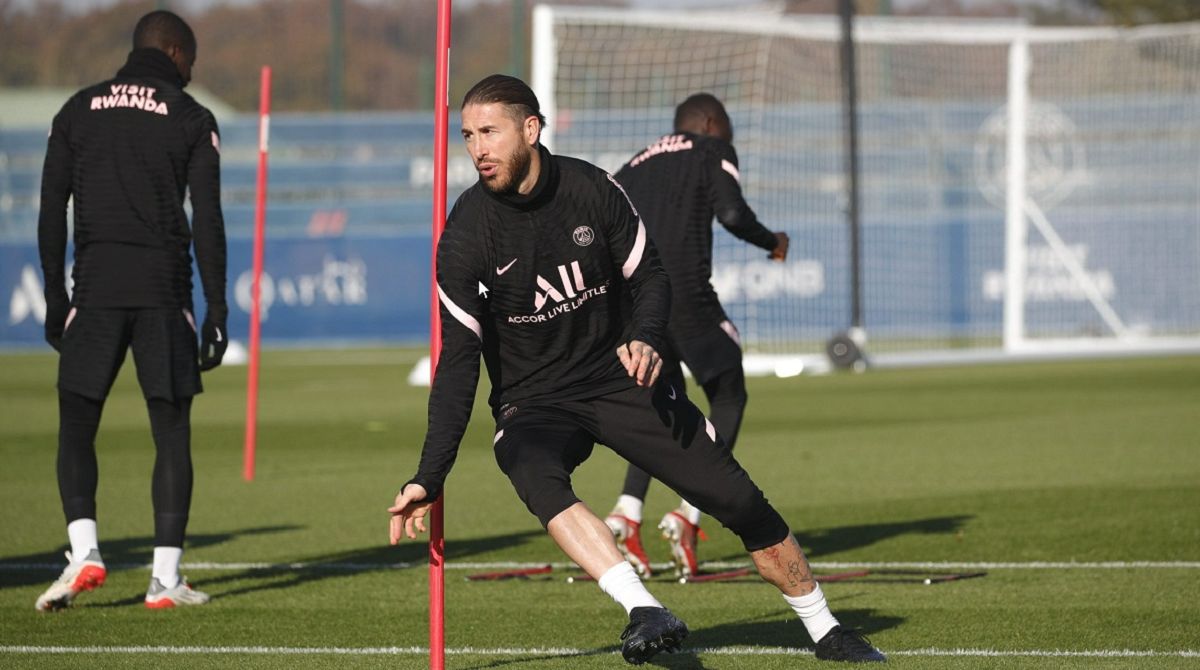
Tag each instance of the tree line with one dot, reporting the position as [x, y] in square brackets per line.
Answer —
[380, 59]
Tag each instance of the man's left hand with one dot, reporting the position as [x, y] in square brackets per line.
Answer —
[56, 321]
[641, 361]
[214, 339]
[779, 253]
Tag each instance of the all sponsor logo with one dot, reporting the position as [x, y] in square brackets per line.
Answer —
[571, 285]
[554, 298]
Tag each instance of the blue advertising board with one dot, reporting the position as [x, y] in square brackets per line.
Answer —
[332, 289]
[349, 208]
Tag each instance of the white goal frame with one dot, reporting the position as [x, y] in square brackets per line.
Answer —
[1021, 212]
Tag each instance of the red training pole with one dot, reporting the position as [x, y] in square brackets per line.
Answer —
[441, 128]
[260, 216]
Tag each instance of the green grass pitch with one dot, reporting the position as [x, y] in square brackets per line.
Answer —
[1023, 467]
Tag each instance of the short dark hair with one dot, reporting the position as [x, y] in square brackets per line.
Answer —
[700, 106]
[508, 91]
[162, 30]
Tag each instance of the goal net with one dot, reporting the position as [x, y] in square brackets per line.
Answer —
[1088, 237]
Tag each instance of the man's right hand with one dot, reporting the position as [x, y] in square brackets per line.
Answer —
[408, 512]
[779, 253]
[56, 321]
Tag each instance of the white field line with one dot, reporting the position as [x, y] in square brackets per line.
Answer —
[709, 565]
[568, 651]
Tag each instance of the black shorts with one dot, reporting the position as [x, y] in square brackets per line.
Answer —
[539, 444]
[708, 352]
[164, 346]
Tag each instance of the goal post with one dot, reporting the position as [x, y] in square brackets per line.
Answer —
[1023, 189]
[1111, 191]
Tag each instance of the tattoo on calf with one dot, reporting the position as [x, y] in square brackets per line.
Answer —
[795, 572]
[798, 572]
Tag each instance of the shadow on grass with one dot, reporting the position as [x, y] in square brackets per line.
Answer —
[833, 540]
[117, 554]
[359, 561]
[123, 553]
[781, 629]
[544, 660]
[683, 659]
[820, 542]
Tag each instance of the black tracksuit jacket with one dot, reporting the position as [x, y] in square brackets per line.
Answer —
[127, 150]
[678, 184]
[546, 287]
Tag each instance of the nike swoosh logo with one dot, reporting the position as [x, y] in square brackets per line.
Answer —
[502, 270]
[671, 393]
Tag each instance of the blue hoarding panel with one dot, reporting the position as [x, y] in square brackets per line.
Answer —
[314, 289]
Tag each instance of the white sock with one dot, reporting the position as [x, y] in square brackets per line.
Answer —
[629, 507]
[690, 512]
[814, 613]
[623, 585]
[166, 565]
[82, 533]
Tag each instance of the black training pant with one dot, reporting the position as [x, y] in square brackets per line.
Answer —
[165, 351]
[540, 443]
[715, 359]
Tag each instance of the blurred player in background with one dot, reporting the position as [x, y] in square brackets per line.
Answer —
[678, 184]
[546, 271]
[127, 150]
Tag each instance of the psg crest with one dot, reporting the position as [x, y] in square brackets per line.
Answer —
[583, 236]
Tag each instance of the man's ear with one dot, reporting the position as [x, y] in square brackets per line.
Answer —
[532, 129]
[175, 53]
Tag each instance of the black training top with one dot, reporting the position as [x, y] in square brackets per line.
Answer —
[678, 184]
[546, 286]
[127, 150]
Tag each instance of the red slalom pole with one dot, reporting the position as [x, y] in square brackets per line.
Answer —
[441, 129]
[260, 224]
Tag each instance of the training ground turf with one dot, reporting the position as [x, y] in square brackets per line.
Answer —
[1074, 486]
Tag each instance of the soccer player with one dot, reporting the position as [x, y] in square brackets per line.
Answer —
[127, 150]
[546, 271]
[677, 184]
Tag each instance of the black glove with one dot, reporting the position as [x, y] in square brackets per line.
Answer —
[213, 341]
[57, 309]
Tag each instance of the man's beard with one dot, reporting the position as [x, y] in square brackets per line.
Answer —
[517, 169]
